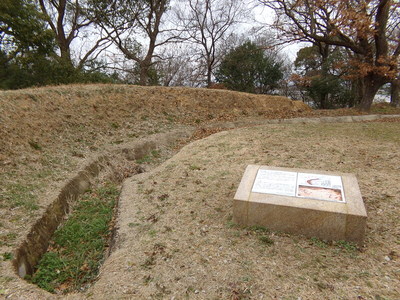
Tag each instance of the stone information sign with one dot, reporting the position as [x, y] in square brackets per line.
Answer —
[313, 203]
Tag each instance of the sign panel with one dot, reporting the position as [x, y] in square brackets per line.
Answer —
[322, 187]
[302, 185]
[275, 182]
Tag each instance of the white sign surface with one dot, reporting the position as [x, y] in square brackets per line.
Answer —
[303, 185]
[275, 182]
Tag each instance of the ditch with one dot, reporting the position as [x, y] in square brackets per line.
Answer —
[65, 248]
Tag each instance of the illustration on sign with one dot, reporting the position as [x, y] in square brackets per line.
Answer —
[303, 185]
[316, 186]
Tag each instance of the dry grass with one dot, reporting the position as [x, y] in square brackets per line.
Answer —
[187, 242]
[178, 240]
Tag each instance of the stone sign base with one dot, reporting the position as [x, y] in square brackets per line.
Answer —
[328, 219]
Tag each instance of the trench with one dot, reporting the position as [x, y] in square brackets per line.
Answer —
[115, 165]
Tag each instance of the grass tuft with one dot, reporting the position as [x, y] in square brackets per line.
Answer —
[149, 158]
[318, 242]
[194, 168]
[7, 256]
[262, 233]
[266, 240]
[259, 229]
[348, 246]
[35, 145]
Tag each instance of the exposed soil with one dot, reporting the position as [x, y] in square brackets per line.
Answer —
[47, 134]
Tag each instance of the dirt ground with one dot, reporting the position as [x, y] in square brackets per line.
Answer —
[177, 239]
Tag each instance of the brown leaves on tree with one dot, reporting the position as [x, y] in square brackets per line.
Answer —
[368, 30]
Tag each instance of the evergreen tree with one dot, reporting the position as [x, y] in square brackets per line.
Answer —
[248, 68]
[26, 46]
[320, 77]
[28, 55]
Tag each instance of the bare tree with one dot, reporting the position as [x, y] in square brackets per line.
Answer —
[208, 23]
[177, 68]
[68, 20]
[367, 29]
[138, 29]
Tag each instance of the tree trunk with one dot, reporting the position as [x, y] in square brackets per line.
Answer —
[144, 71]
[144, 75]
[65, 55]
[145, 64]
[358, 91]
[394, 93]
[324, 100]
[370, 87]
[324, 96]
[209, 74]
[353, 93]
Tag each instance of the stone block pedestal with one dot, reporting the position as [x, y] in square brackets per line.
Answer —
[335, 213]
